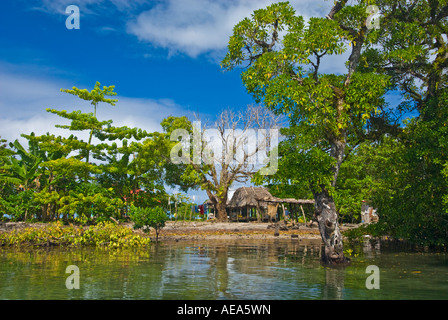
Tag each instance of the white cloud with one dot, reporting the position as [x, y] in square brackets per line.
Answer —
[191, 27]
[194, 27]
[24, 98]
[88, 7]
[59, 6]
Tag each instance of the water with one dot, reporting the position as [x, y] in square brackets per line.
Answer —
[209, 270]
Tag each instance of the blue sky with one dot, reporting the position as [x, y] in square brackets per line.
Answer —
[35, 46]
[162, 55]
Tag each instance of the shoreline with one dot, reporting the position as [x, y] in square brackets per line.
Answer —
[210, 230]
[183, 231]
[198, 230]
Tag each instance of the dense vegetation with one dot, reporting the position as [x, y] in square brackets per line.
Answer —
[345, 141]
[72, 180]
[103, 234]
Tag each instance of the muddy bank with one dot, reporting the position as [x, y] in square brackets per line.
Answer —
[9, 226]
[238, 230]
[185, 230]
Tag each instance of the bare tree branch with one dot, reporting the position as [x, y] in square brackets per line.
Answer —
[241, 137]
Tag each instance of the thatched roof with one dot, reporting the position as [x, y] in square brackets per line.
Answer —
[210, 203]
[255, 196]
[249, 196]
[291, 200]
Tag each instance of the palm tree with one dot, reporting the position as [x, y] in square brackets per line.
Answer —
[25, 171]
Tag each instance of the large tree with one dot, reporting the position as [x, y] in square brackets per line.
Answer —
[329, 112]
[214, 157]
[412, 49]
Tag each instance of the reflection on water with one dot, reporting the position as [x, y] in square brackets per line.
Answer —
[202, 270]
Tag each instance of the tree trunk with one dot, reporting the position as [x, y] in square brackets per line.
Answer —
[220, 205]
[327, 218]
[221, 212]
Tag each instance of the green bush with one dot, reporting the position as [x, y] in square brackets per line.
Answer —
[111, 235]
[19, 206]
[147, 218]
[103, 234]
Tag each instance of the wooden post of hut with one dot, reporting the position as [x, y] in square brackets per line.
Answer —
[176, 214]
[303, 212]
[272, 211]
[284, 212]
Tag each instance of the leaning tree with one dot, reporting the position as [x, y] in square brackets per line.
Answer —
[329, 113]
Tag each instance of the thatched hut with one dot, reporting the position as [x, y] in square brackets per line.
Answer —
[248, 204]
[257, 203]
[296, 207]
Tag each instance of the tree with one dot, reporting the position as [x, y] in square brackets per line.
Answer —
[329, 113]
[5, 153]
[24, 174]
[412, 187]
[412, 50]
[231, 151]
[86, 180]
[5, 187]
[95, 96]
[23, 171]
[102, 130]
[146, 218]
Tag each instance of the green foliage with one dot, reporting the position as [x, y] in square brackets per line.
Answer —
[90, 202]
[25, 170]
[5, 153]
[146, 218]
[359, 178]
[111, 235]
[82, 181]
[325, 110]
[94, 96]
[107, 235]
[185, 176]
[411, 49]
[19, 205]
[414, 207]
[405, 178]
[407, 167]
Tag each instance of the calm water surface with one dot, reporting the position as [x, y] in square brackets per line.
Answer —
[204, 270]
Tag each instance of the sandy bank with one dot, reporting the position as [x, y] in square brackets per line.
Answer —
[185, 230]
[236, 230]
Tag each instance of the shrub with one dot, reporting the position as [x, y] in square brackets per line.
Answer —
[103, 234]
[147, 218]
